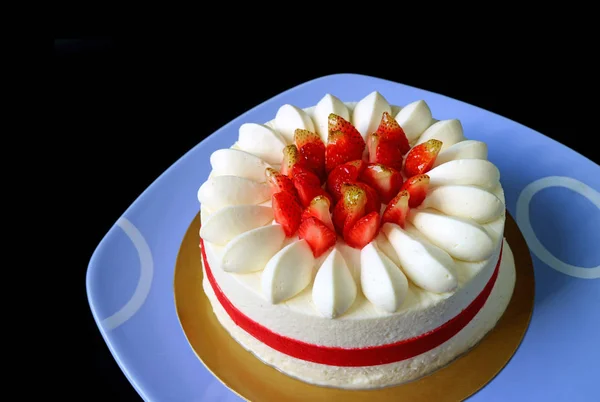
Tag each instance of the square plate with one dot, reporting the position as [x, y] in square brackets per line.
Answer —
[551, 190]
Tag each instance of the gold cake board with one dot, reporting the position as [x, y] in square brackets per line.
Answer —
[255, 381]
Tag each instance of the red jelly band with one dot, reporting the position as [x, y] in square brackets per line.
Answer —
[353, 357]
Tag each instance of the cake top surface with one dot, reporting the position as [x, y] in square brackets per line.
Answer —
[404, 196]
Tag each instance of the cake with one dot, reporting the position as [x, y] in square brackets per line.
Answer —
[355, 245]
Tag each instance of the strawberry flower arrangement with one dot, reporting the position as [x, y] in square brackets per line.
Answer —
[323, 191]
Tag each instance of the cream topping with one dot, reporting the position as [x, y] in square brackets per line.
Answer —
[334, 289]
[449, 132]
[221, 191]
[262, 141]
[327, 105]
[225, 224]
[382, 282]
[289, 118]
[465, 202]
[234, 162]
[414, 119]
[251, 250]
[288, 272]
[476, 172]
[367, 113]
[467, 149]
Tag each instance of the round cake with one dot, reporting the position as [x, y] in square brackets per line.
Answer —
[355, 244]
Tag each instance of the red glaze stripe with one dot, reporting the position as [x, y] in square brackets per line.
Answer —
[355, 357]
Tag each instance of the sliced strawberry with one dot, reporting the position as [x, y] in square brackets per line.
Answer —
[389, 129]
[318, 236]
[300, 167]
[351, 207]
[312, 150]
[384, 151]
[421, 158]
[397, 209]
[373, 200]
[417, 187]
[363, 231]
[319, 207]
[308, 187]
[348, 172]
[385, 180]
[291, 156]
[279, 182]
[344, 143]
[286, 211]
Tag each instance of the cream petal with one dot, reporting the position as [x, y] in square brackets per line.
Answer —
[261, 141]
[289, 118]
[334, 289]
[382, 282]
[251, 250]
[475, 172]
[368, 111]
[465, 202]
[329, 104]
[225, 224]
[461, 238]
[425, 264]
[468, 149]
[221, 191]
[449, 132]
[233, 162]
[414, 119]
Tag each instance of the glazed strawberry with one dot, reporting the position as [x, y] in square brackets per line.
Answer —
[344, 143]
[373, 200]
[384, 151]
[363, 231]
[420, 159]
[308, 187]
[300, 167]
[350, 208]
[318, 236]
[397, 209]
[291, 156]
[279, 182]
[390, 130]
[319, 207]
[312, 150]
[348, 172]
[385, 180]
[417, 188]
[286, 211]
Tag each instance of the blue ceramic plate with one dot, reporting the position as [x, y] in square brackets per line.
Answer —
[551, 190]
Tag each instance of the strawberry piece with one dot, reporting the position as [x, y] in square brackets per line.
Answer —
[384, 151]
[291, 157]
[319, 208]
[373, 200]
[348, 172]
[397, 209]
[344, 143]
[312, 150]
[417, 188]
[318, 236]
[385, 180]
[420, 159]
[286, 211]
[279, 182]
[390, 130]
[308, 187]
[363, 231]
[351, 207]
[300, 167]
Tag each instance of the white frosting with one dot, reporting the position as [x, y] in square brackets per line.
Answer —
[261, 141]
[414, 119]
[288, 272]
[334, 289]
[449, 132]
[221, 191]
[466, 202]
[461, 238]
[251, 250]
[225, 224]
[289, 118]
[428, 266]
[381, 280]
[467, 149]
[327, 105]
[476, 172]
[386, 374]
[234, 162]
[367, 113]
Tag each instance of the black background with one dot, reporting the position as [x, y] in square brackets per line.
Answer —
[136, 105]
